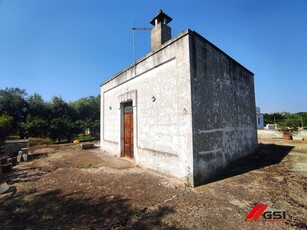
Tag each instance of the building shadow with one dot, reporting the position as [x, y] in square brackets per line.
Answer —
[55, 210]
[266, 155]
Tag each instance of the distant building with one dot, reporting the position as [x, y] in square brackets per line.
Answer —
[260, 121]
[271, 126]
[186, 109]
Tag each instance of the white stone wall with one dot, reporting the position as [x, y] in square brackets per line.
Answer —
[224, 112]
[159, 86]
[194, 109]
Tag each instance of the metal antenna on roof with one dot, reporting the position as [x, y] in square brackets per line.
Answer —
[133, 40]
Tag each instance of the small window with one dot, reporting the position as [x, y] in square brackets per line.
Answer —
[128, 107]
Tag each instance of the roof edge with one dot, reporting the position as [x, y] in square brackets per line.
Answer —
[166, 44]
[206, 40]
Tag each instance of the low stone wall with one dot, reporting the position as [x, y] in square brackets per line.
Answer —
[275, 134]
[302, 134]
[270, 134]
[12, 147]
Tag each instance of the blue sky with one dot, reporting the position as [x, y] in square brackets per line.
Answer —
[68, 47]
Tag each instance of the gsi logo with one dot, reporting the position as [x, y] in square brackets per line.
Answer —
[262, 212]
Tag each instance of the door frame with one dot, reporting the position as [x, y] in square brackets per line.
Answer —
[122, 99]
[122, 108]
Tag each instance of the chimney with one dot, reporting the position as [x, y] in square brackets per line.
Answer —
[161, 32]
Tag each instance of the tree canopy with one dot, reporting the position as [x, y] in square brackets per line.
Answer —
[287, 120]
[6, 126]
[57, 119]
[13, 103]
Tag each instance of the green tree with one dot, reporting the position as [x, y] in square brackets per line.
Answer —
[35, 126]
[303, 118]
[292, 121]
[272, 118]
[38, 117]
[37, 107]
[59, 129]
[13, 103]
[6, 127]
[32, 116]
[62, 119]
[88, 114]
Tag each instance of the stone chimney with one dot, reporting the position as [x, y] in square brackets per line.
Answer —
[161, 32]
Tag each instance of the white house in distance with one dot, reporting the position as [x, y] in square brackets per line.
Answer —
[260, 121]
[186, 109]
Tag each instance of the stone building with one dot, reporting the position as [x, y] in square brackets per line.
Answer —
[186, 109]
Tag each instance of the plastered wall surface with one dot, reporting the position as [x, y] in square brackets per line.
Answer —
[224, 112]
[159, 86]
[193, 110]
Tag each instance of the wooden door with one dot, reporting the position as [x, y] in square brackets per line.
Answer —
[128, 130]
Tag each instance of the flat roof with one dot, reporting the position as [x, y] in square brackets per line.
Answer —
[151, 53]
[168, 43]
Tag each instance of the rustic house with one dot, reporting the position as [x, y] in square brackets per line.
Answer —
[186, 109]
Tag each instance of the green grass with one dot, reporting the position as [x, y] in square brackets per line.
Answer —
[39, 141]
[33, 141]
[79, 147]
[12, 137]
[84, 138]
[89, 165]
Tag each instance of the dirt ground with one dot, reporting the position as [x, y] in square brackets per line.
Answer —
[86, 189]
